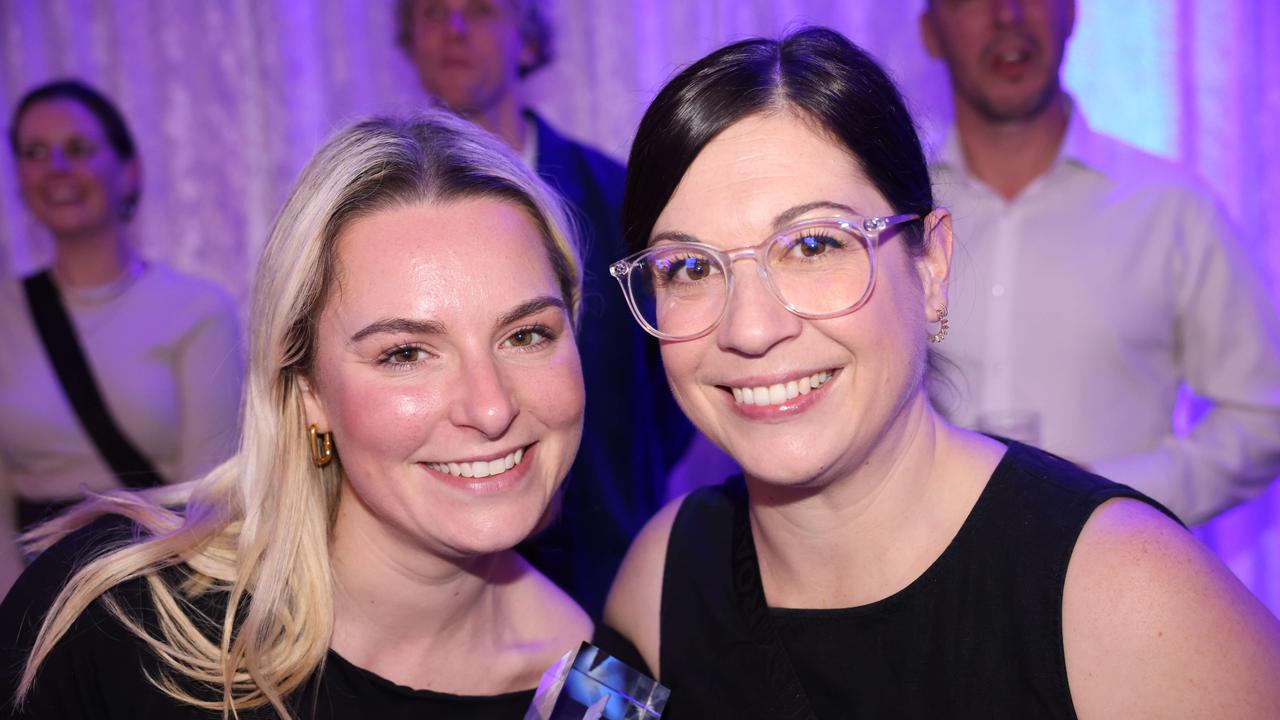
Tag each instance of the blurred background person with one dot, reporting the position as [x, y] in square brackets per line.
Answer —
[1093, 279]
[473, 56]
[116, 371]
[414, 400]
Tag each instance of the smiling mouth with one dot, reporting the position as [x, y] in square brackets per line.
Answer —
[1010, 57]
[479, 468]
[779, 393]
[63, 196]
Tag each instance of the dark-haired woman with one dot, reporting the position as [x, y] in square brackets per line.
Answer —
[873, 560]
[161, 348]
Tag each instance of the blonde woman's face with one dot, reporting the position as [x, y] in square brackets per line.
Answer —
[447, 371]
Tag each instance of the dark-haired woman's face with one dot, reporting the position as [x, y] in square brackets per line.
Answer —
[71, 178]
[856, 375]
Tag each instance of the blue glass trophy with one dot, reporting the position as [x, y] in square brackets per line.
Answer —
[590, 684]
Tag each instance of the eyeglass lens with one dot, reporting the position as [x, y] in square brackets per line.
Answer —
[821, 269]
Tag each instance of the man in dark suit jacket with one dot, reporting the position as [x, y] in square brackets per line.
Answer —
[472, 56]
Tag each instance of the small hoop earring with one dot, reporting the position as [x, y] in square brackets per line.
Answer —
[942, 325]
[321, 446]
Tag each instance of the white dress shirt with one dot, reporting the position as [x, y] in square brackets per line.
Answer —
[1079, 308]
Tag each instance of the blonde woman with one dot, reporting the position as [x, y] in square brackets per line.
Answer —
[414, 400]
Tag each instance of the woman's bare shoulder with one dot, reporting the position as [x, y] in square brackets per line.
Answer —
[635, 601]
[1154, 625]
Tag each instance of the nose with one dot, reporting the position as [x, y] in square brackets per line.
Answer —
[483, 401]
[755, 321]
[58, 159]
[457, 22]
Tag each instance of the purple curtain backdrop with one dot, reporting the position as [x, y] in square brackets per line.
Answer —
[228, 98]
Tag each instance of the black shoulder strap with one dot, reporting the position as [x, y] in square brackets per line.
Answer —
[789, 698]
[60, 344]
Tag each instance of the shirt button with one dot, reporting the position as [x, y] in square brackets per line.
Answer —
[997, 290]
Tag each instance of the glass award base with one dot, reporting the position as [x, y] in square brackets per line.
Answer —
[590, 684]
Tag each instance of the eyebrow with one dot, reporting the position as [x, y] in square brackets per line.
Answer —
[786, 217]
[530, 307]
[433, 327]
[399, 325]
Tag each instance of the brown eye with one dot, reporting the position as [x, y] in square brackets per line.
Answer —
[689, 269]
[80, 149]
[34, 152]
[528, 338]
[815, 245]
[404, 356]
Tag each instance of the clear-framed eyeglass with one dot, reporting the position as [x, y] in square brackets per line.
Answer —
[817, 268]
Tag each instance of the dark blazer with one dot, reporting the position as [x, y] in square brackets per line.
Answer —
[633, 431]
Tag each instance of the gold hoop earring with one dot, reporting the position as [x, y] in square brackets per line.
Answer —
[321, 446]
[942, 325]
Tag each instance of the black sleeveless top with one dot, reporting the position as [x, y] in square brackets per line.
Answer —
[978, 634]
[100, 670]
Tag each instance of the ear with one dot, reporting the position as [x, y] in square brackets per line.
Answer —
[928, 33]
[934, 265]
[1071, 17]
[131, 178]
[133, 173]
[528, 54]
[313, 404]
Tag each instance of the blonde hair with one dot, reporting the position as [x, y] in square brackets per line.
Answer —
[257, 527]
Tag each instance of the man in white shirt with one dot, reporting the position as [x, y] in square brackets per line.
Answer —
[1092, 281]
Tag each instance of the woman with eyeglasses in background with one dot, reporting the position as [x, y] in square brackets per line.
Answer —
[116, 371]
[873, 560]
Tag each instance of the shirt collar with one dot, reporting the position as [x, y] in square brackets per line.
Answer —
[1080, 145]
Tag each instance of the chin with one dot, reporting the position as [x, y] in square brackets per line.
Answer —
[780, 467]
[493, 532]
[796, 478]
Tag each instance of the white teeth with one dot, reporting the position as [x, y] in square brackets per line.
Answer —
[777, 394]
[480, 468]
[780, 392]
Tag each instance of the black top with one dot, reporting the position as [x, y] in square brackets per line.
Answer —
[633, 431]
[978, 634]
[98, 669]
